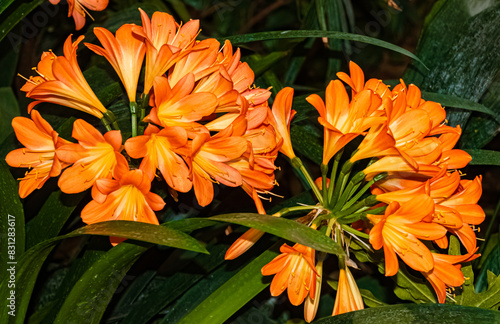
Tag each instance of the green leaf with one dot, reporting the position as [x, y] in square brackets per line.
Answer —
[412, 313]
[232, 295]
[75, 272]
[51, 218]
[246, 38]
[89, 298]
[492, 264]
[155, 234]
[411, 288]
[456, 102]
[184, 286]
[466, 61]
[5, 4]
[284, 228]
[8, 110]
[484, 157]
[307, 143]
[22, 10]
[11, 222]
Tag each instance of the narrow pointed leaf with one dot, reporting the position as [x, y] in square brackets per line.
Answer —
[20, 12]
[416, 313]
[246, 38]
[142, 232]
[284, 228]
[456, 102]
[484, 157]
[234, 294]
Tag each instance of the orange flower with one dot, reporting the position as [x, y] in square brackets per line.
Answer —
[357, 82]
[343, 120]
[399, 231]
[78, 11]
[94, 157]
[348, 298]
[126, 198]
[208, 157]
[446, 272]
[283, 115]
[61, 81]
[293, 269]
[40, 142]
[125, 52]
[166, 43]
[177, 106]
[157, 148]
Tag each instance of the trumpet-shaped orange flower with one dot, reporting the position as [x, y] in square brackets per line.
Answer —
[166, 43]
[78, 9]
[61, 81]
[94, 157]
[348, 297]
[294, 269]
[40, 142]
[126, 198]
[399, 231]
[357, 82]
[125, 52]
[208, 157]
[446, 272]
[343, 120]
[283, 115]
[177, 106]
[157, 148]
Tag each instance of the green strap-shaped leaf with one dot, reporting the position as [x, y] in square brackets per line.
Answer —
[51, 218]
[246, 38]
[484, 157]
[11, 224]
[142, 232]
[30, 263]
[8, 110]
[232, 295]
[416, 313]
[20, 12]
[90, 296]
[284, 228]
[4, 4]
[456, 102]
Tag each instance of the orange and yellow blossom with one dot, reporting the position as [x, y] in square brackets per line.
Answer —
[446, 272]
[207, 160]
[348, 298]
[399, 231]
[78, 11]
[40, 142]
[166, 43]
[127, 197]
[125, 53]
[343, 120]
[357, 82]
[178, 106]
[158, 150]
[294, 269]
[61, 81]
[94, 157]
[283, 115]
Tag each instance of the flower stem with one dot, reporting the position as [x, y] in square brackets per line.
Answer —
[287, 210]
[106, 123]
[355, 232]
[324, 187]
[112, 119]
[142, 113]
[297, 164]
[333, 175]
[340, 185]
[133, 117]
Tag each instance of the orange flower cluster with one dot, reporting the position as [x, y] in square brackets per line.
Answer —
[406, 138]
[78, 9]
[207, 123]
